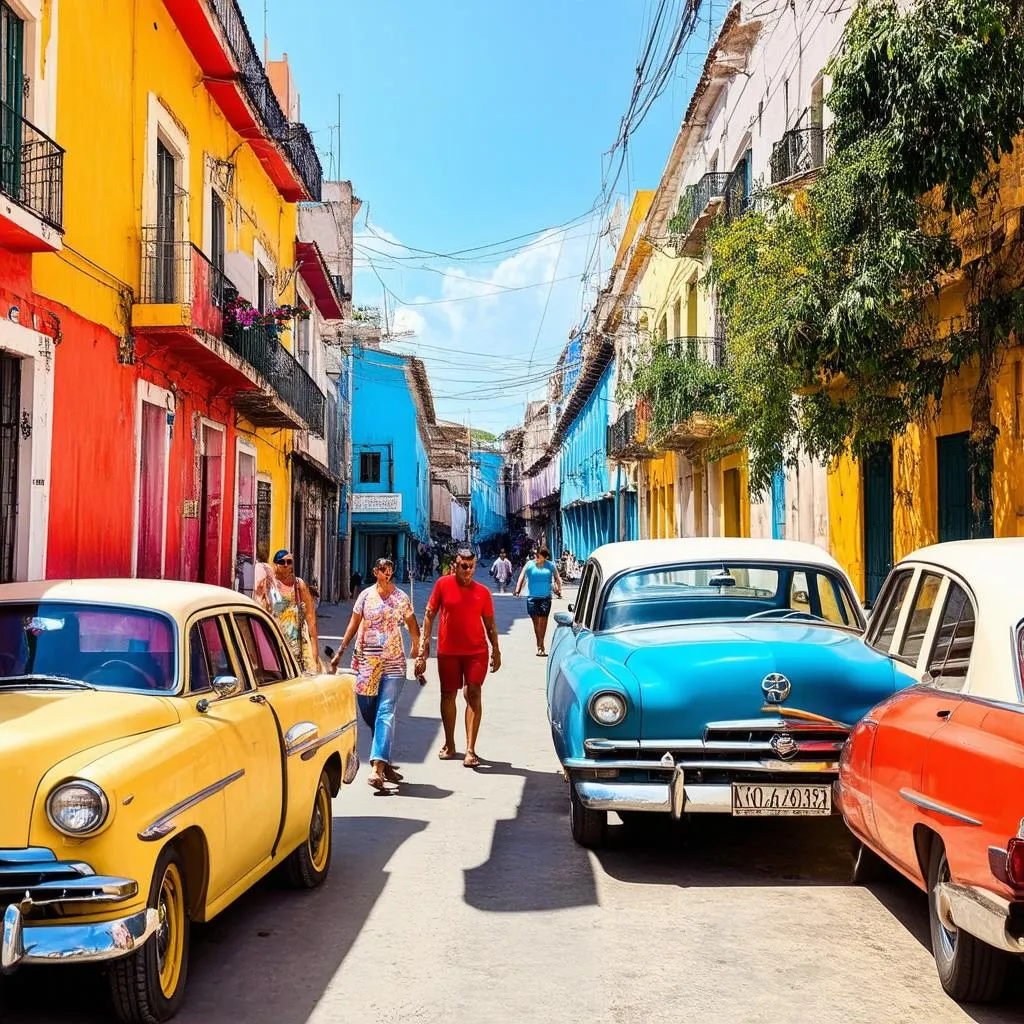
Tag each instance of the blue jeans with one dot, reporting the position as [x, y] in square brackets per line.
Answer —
[379, 712]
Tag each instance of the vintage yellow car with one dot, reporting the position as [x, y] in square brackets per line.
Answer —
[160, 752]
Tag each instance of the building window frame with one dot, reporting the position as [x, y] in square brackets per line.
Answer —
[147, 393]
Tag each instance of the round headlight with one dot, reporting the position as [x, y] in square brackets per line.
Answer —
[77, 807]
[608, 709]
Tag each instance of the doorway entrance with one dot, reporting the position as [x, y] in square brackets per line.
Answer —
[878, 535]
[211, 507]
[10, 406]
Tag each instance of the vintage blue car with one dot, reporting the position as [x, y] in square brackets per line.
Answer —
[708, 675]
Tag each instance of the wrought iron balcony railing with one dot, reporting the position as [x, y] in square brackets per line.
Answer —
[698, 348]
[178, 272]
[695, 200]
[31, 168]
[294, 137]
[799, 151]
[622, 433]
[260, 348]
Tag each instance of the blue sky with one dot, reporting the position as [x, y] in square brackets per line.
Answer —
[466, 123]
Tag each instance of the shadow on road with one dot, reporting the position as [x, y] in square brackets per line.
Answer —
[266, 960]
[534, 865]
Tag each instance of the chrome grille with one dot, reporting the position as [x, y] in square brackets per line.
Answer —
[34, 877]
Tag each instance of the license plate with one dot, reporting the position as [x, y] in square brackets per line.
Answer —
[785, 800]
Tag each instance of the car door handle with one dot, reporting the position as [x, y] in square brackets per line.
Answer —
[944, 713]
[258, 698]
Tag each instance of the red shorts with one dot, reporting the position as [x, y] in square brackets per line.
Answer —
[457, 670]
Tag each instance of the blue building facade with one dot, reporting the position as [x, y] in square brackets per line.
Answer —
[390, 498]
[487, 493]
[592, 498]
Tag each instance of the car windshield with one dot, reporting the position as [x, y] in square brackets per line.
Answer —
[717, 590]
[103, 646]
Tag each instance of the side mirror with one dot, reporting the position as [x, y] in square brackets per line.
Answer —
[563, 619]
[572, 607]
[226, 686]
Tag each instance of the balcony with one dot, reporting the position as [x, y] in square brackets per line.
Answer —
[799, 152]
[698, 206]
[181, 308]
[624, 438]
[698, 349]
[31, 186]
[216, 33]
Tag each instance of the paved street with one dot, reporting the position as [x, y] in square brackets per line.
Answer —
[461, 898]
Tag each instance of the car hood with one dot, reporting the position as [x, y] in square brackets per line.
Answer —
[691, 674]
[41, 728]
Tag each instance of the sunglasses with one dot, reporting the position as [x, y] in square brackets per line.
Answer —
[285, 561]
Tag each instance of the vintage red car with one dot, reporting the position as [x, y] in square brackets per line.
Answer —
[930, 781]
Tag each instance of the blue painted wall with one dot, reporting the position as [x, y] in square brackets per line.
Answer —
[384, 421]
[488, 495]
[572, 364]
[588, 512]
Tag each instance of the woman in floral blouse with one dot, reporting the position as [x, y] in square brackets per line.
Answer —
[379, 662]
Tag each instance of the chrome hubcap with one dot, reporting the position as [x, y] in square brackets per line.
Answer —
[163, 933]
[316, 828]
[947, 930]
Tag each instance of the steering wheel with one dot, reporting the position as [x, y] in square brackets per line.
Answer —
[786, 613]
[149, 682]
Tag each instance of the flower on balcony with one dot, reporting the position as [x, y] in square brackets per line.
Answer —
[245, 315]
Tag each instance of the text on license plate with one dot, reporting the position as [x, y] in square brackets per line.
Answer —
[786, 799]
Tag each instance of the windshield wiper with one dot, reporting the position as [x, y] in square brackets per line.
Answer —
[56, 682]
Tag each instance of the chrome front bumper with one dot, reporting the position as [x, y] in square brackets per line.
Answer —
[983, 914]
[72, 943]
[675, 795]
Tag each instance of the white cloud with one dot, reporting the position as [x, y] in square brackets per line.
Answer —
[477, 324]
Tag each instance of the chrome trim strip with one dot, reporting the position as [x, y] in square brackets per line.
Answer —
[816, 724]
[73, 943]
[164, 825]
[698, 746]
[600, 796]
[931, 805]
[97, 889]
[300, 735]
[595, 744]
[763, 765]
[309, 749]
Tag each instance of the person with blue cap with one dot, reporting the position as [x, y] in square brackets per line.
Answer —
[288, 600]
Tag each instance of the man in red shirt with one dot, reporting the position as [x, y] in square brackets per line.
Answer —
[465, 613]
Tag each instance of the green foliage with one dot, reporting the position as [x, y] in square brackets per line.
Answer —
[482, 435]
[833, 297]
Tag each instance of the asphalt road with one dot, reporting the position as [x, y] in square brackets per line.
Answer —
[461, 898]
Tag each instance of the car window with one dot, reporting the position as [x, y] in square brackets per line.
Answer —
[891, 606]
[208, 654]
[799, 593]
[583, 598]
[920, 615]
[834, 602]
[262, 649]
[951, 656]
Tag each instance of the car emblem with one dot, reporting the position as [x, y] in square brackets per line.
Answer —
[776, 687]
[784, 745]
[668, 761]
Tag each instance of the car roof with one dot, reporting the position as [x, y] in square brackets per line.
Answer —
[992, 567]
[180, 600]
[647, 554]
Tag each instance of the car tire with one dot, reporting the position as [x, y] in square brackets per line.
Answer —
[867, 866]
[148, 986]
[971, 971]
[587, 825]
[308, 865]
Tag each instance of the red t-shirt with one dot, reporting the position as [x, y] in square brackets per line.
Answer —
[460, 611]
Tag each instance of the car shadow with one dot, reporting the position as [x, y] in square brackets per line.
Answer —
[533, 865]
[267, 959]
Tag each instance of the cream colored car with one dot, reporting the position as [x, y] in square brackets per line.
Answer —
[160, 752]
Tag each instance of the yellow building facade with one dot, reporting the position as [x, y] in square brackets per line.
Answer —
[180, 190]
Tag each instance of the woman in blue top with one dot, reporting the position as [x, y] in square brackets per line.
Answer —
[540, 577]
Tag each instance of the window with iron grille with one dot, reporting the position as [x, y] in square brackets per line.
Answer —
[263, 496]
[369, 467]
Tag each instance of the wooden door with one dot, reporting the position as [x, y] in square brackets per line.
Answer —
[165, 277]
[211, 504]
[731, 502]
[878, 534]
[954, 487]
[245, 518]
[149, 562]
[12, 34]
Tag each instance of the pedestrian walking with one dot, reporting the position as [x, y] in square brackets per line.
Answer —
[377, 619]
[288, 600]
[502, 572]
[540, 578]
[465, 613]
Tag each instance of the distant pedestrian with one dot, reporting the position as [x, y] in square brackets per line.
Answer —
[378, 616]
[288, 600]
[540, 578]
[465, 613]
[502, 572]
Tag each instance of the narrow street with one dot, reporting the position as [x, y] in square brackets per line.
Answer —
[463, 893]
